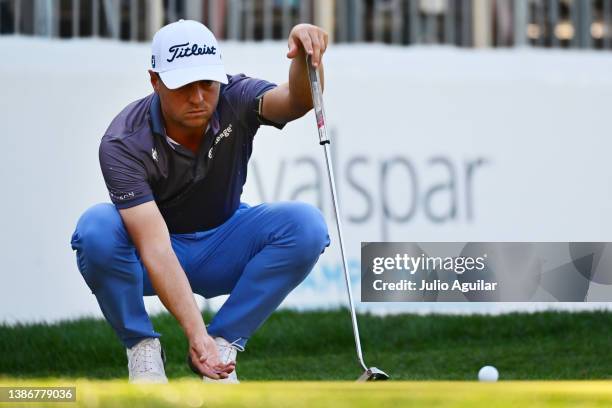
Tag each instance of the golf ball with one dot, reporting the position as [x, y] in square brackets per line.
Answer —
[488, 374]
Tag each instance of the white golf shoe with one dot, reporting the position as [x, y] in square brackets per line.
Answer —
[146, 362]
[227, 353]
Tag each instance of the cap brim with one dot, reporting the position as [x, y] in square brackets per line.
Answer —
[182, 76]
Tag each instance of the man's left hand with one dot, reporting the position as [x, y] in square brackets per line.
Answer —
[309, 37]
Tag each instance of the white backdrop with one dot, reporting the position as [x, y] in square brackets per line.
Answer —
[430, 144]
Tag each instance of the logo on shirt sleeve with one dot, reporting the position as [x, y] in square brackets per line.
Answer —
[121, 196]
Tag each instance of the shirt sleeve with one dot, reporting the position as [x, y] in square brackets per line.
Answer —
[245, 94]
[124, 174]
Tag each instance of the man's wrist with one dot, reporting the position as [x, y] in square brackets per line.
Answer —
[195, 329]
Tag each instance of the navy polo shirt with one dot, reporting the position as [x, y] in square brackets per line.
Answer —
[194, 192]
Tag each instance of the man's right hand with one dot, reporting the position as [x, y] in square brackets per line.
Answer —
[205, 358]
[150, 234]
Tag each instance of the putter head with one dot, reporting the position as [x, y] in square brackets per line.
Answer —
[373, 374]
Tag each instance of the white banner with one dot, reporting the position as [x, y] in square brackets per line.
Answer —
[434, 144]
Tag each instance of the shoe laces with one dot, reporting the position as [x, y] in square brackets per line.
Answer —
[228, 350]
[143, 356]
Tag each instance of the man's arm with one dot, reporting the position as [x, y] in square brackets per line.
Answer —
[292, 99]
[150, 235]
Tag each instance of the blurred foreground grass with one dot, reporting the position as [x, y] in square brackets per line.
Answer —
[194, 393]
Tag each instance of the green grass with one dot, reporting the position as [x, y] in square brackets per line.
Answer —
[319, 345]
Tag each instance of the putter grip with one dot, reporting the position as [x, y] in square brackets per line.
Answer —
[317, 100]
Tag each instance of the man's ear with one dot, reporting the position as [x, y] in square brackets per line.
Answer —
[154, 78]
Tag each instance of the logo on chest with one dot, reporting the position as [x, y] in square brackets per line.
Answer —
[225, 133]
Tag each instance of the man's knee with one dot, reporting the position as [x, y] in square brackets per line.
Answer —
[98, 233]
[308, 229]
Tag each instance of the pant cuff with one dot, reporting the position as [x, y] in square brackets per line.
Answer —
[131, 342]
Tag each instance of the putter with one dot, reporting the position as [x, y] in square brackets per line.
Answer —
[372, 373]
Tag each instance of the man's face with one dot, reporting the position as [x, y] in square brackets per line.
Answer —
[190, 106]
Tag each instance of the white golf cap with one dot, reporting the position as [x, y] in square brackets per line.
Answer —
[184, 52]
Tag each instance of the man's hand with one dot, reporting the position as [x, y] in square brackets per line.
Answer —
[204, 358]
[292, 99]
[311, 38]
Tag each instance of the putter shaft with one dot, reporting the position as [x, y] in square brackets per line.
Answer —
[317, 98]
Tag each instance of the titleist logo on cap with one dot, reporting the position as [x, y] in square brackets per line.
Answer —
[184, 50]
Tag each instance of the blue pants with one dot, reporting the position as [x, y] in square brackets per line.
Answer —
[257, 257]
